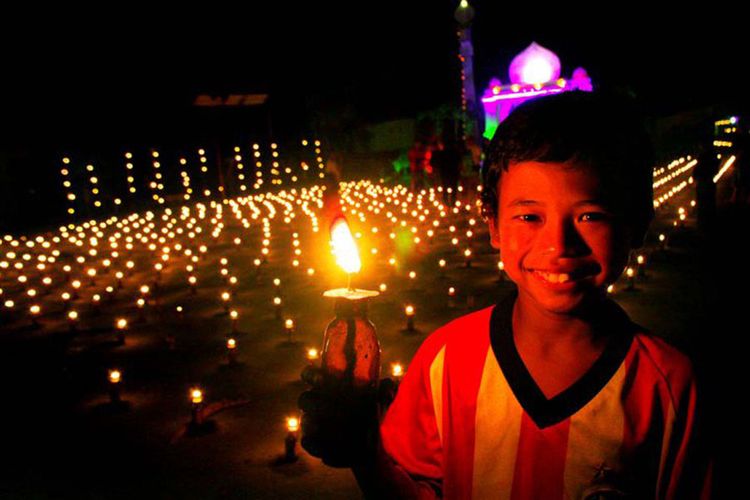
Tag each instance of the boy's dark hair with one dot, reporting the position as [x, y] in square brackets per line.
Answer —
[591, 129]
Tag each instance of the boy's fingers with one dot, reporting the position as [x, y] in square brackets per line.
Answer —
[339, 431]
[337, 422]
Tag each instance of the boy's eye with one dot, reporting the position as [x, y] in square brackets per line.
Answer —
[527, 217]
[594, 216]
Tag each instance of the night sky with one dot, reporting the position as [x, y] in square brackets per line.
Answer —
[135, 71]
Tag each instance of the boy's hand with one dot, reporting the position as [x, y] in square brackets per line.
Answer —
[340, 425]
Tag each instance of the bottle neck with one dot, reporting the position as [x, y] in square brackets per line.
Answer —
[346, 308]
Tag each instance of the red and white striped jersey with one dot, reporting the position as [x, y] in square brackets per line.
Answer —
[470, 420]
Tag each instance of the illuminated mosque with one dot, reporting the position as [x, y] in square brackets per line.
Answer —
[533, 73]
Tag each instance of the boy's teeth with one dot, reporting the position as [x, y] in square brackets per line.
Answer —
[554, 278]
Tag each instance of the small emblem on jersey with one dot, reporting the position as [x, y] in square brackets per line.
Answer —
[605, 484]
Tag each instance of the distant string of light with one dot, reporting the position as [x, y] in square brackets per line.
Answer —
[67, 184]
[675, 169]
[129, 173]
[94, 186]
[185, 180]
[157, 186]
[724, 168]
[258, 167]
[275, 172]
[240, 167]
[204, 172]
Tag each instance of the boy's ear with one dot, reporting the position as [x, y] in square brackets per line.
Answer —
[494, 232]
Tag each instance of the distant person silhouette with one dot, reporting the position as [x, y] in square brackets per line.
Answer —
[447, 160]
[418, 156]
[705, 188]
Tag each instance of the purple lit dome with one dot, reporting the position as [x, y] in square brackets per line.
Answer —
[535, 64]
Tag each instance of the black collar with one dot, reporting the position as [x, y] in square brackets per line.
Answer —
[546, 412]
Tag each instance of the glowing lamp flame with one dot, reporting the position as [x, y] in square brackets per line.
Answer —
[114, 376]
[196, 396]
[344, 247]
[292, 424]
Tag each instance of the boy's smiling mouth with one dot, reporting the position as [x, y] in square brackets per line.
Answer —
[558, 277]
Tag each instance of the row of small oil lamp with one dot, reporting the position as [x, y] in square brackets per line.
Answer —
[226, 296]
[467, 254]
[236, 239]
[156, 185]
[92, 272]
[413, 212]
[158, 266]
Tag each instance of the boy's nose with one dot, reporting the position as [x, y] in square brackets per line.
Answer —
[561, 239]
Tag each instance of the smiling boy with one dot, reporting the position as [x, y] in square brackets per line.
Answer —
[552, 393]
[562, 245]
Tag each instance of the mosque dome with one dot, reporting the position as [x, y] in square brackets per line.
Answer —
[535, 64]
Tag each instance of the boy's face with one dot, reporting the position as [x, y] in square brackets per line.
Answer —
[559, 239]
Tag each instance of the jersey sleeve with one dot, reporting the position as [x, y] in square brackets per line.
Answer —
[409, 431]
[687, 460]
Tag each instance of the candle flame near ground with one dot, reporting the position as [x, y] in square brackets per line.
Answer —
[114, 376]
[344, 247]
[292, 424]
[196, 395]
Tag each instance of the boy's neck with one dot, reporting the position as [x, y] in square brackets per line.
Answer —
[547, 333]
